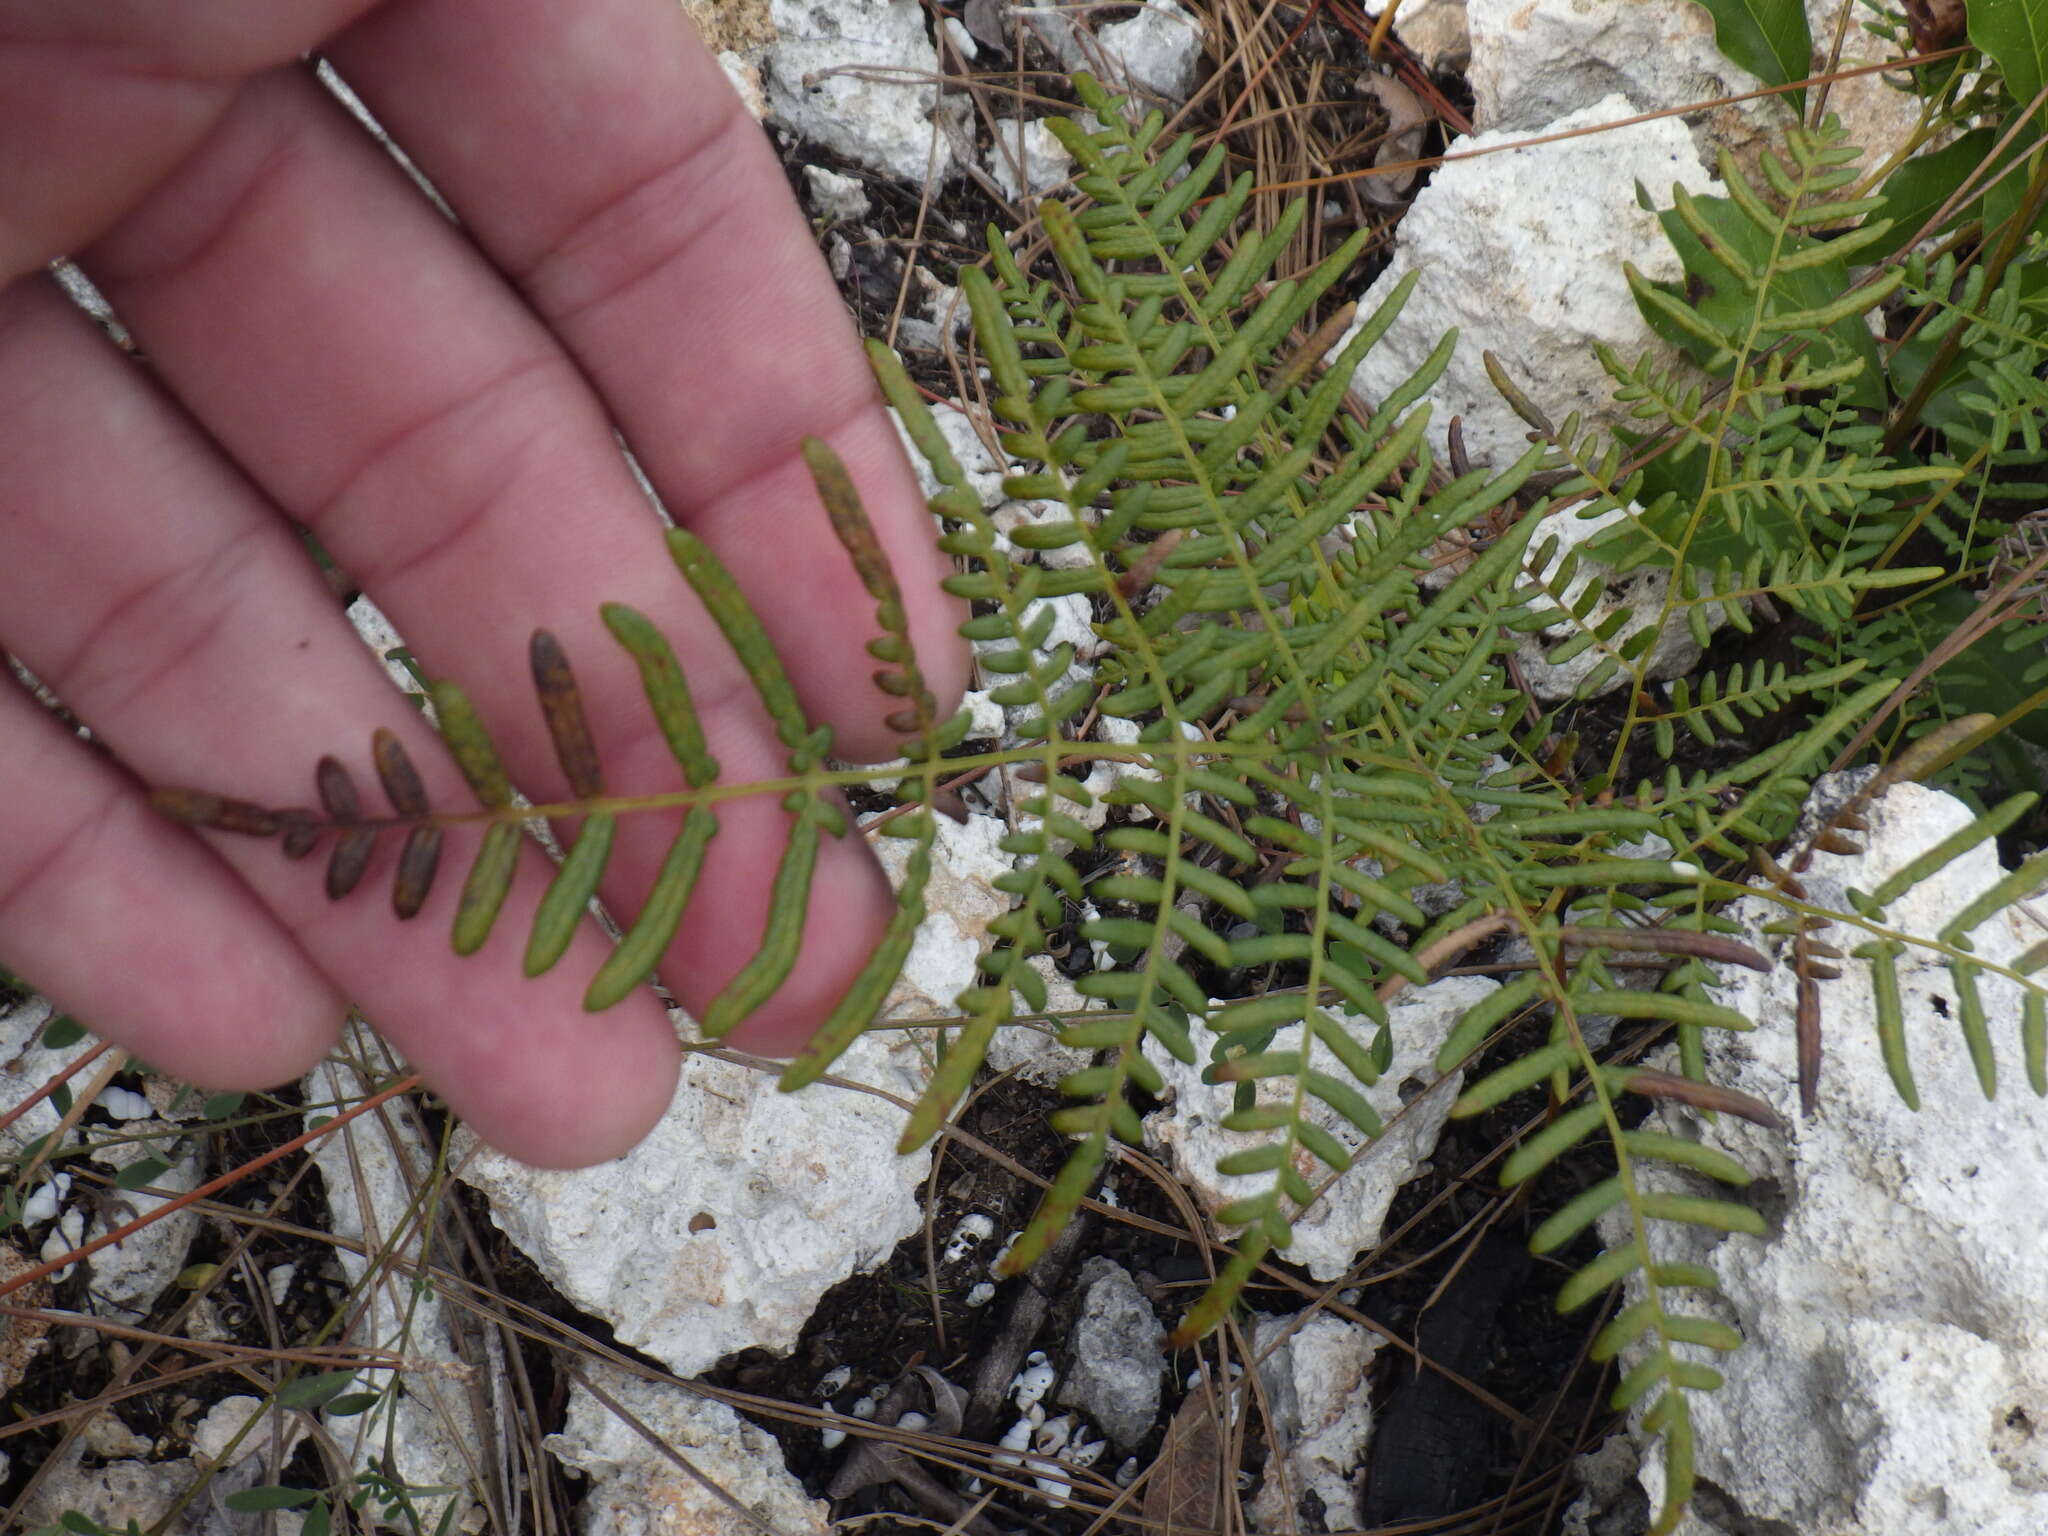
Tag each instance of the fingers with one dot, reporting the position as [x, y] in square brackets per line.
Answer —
[390, 393]
[97, 102]
[116, 914]
[602, 161]
[162, 599]
[350, 351]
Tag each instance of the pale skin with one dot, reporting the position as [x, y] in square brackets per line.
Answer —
[436, 404]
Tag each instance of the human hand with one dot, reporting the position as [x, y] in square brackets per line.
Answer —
[436, 405]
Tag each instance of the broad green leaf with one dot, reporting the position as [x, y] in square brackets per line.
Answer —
[2015, 34]
[1918, 188]
[1768, 38]
[314, 1391]
[61, 1031]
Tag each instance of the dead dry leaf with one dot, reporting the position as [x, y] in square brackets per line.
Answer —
[1185, 1490]
[984, 19]
[1407, 119]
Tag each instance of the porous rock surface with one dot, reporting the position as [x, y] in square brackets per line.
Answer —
[1534, 61]
[1119, 1355]
[859, 76]
[636, 1490]
[1155, 53]
[1640, 594]
[1521, 252]
[1318, 1384]
[738, 1212]
[1894, 1375]
[1329, 1236]
[961, 900]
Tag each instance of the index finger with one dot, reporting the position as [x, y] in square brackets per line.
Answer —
[602, 161]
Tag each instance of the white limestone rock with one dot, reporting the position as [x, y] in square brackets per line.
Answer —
[1894, 1374]
[1522, 252]
[1156, 53]
[800, 1191]
[842, 199]
[29, 1062]
[1068, 620]
[984, 714]
[1031, 1049]
[1118, 1354]
[1640, 594]
[107, 1437]
[1533, 61]
[1612, 1500]
[113, 1494]
[425, 1420]
[984, 473]
[1437, 32]
[636, 1490]
[1012, 515]
[744, 75]
[1318, 1382]
[1331, 1233]
[982, 469]
[128, 1276]
[961, 900]
[1027, 163]
[857, 76]
[230, 1417]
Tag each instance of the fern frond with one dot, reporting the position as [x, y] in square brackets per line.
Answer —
[815, 811]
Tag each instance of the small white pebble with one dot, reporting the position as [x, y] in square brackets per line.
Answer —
[981, 1293]
[864, 1405]
[831, 1437]
[1195, 1376]
[224, 1420]
[834, 1381]
[961, 38]
[913, 1421]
